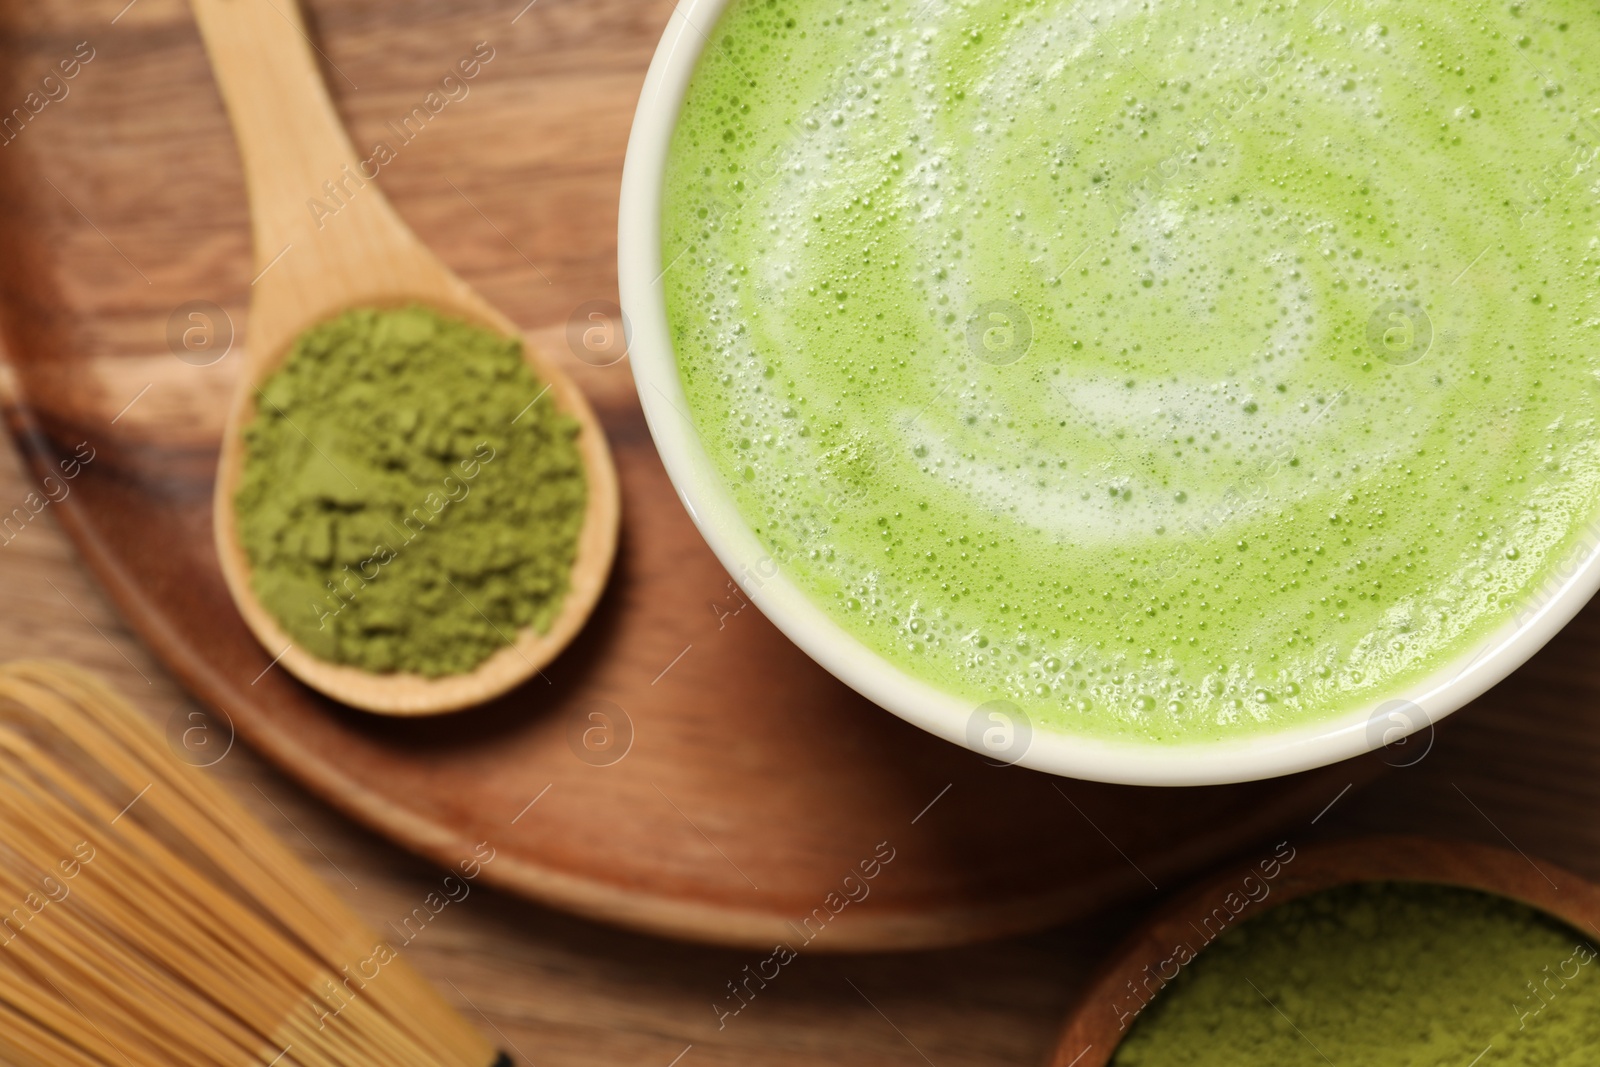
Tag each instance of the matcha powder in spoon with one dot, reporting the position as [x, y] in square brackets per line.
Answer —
[410, 497]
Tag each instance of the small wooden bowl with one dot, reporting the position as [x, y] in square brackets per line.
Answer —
[1105, 1014]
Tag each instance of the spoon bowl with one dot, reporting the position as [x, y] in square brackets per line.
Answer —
[311, 266]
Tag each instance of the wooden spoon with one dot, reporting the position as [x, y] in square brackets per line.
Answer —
[309, 269]
[1105, 1013]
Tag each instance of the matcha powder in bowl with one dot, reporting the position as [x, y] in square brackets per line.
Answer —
[409, 499]
[1382, 974]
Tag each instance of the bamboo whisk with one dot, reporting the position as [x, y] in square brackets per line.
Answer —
[146, 920]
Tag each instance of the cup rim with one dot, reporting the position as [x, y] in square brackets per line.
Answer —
[710, 505]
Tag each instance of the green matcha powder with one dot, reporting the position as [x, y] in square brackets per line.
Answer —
[410, 498]
[1380, 975]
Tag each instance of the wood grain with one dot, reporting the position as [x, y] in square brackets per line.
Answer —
[1103, 1017]
[741, 785]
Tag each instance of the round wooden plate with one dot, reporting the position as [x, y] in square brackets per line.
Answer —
[1113, 1000]
[682, 768]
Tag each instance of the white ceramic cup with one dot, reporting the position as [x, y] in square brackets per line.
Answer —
[997, 730]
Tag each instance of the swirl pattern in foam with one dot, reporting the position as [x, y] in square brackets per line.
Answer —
[1170, 369]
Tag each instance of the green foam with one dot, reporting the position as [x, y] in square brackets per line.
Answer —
[1172, 370]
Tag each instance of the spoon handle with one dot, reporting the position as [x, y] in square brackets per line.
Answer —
[289, 136]
[325, 236]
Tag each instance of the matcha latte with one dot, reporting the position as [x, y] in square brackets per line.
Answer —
[1173, 371]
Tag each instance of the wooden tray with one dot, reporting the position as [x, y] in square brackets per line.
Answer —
[751, 783]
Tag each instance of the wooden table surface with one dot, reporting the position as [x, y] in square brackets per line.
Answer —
[556, 990]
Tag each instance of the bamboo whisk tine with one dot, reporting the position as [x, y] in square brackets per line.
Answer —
[146, 920]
